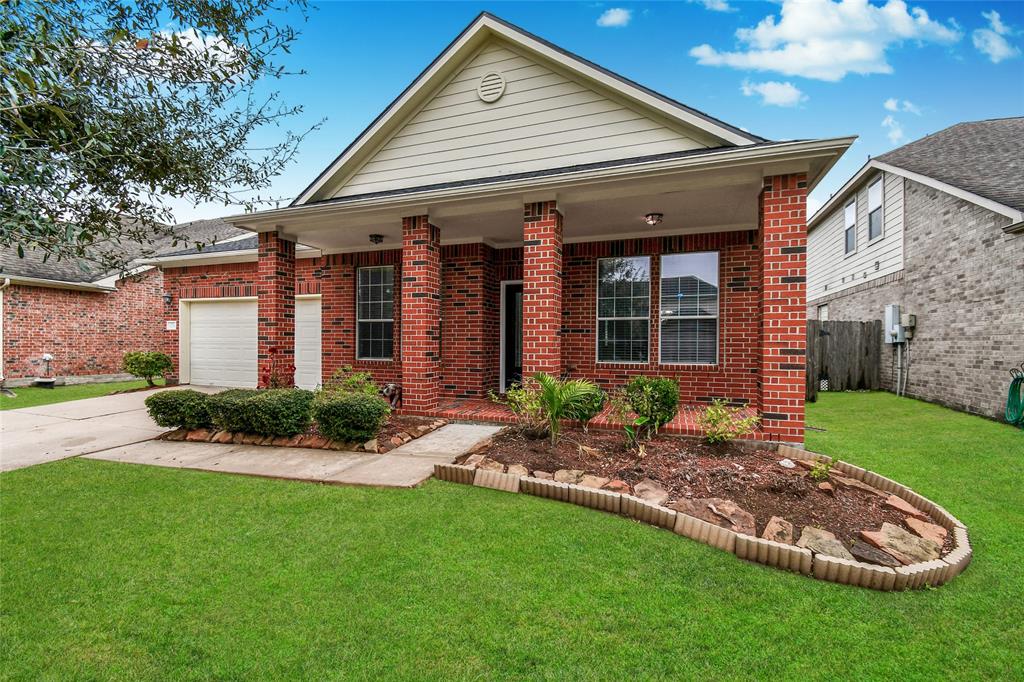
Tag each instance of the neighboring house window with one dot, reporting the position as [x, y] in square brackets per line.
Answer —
[875, 209]
[623, 309]
[823, 312]
[851, 226]
[689, 309]
[375, 296]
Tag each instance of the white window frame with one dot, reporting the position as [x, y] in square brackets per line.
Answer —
[598, 319]
[717, 316]
[359, 356]
[847, 227]
[881, 209]
[823, 312]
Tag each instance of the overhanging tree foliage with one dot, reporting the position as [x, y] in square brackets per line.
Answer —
[106, 107]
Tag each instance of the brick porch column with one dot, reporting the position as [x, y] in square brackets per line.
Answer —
[275, 288]
[783, 236]
[421, 314]
[542, 289]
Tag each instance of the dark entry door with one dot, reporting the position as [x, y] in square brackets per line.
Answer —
[513, 306]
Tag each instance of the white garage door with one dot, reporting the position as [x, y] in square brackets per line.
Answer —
[307, 342]
[222, 343]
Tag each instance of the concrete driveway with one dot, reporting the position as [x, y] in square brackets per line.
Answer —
[33, 435]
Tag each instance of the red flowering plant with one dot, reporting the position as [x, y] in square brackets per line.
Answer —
[277, 374]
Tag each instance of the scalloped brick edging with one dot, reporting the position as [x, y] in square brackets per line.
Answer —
[769, 553]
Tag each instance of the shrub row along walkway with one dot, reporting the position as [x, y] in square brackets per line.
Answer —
[403, 467]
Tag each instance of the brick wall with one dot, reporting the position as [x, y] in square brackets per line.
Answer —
[421, 314]
[470, 321]
[964, 280]
[86, 332]
[542, 289]
[275, 287]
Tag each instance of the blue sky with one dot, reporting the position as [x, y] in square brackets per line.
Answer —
[889, 72]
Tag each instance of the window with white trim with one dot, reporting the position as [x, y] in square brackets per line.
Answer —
[375, 306]
[623, 309]
[850, 216]
[875, 209]
[689, 308]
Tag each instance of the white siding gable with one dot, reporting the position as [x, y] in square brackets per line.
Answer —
[545, 119]
[830, 269]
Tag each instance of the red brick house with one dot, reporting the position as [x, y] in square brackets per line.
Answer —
[519, 209]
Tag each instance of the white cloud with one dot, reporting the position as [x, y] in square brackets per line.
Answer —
[826, 40]
[774, 93]
[615, 17]
[897, 105]
[992, 40]
[895, 133]
[715, 5]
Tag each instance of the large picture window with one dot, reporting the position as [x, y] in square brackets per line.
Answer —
[375, 311]
[875, 209]
[623, 309]
[689, 309]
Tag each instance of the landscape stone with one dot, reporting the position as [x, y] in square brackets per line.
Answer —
[593, 452]
[862, 551]
[473, 460]
[238, 437]
[396, 440]
[490, 464]
[650, 491]
[845, 482]
[787, 463]
[617, 486]
[779, 530]
[568, 475]
[405, 437]
[826, 487]
[929, 531]
[721, 512]
[904, 507]
[545, 475]
[904, 545]
[177, 434]
[251, 439]
[370, 445]
[589, 481]
[822, 542]
[198, 436]
[518, 470]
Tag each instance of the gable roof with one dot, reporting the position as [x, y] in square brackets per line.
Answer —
[483, 28]
[978, 161]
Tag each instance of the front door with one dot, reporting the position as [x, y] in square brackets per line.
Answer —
[512, 334]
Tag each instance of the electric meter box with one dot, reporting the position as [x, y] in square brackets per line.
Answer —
[892, 330]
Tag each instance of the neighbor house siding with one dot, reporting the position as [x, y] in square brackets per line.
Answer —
[544, 120]
[830, 269]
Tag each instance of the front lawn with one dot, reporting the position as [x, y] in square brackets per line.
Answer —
[31, 396]
[121, 571]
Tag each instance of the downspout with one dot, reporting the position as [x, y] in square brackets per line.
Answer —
[6, 283]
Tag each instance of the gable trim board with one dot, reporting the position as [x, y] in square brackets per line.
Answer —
[469, 45]
[854, 183]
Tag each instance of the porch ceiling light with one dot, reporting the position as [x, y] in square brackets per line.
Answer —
[653, 218]
[376, 238]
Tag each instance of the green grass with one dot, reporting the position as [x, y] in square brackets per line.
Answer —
[121, 571]
[31, 396]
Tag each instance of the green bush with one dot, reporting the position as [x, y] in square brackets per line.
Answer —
[185, 409]
[270, 412]
[722, 423]
[568, 399]
[524, 402]
[350, 417]
[654, 399]
[147, 364]
[347, 380]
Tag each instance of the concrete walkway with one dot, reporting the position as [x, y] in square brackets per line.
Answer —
[34, 435]
[403, 467]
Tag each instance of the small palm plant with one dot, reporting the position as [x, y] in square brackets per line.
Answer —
[569, 399]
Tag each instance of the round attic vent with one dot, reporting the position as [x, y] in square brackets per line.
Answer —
[491, 87]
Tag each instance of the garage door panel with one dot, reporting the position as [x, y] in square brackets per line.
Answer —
[223, 343]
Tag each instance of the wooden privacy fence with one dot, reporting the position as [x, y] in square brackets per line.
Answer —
[847, 354]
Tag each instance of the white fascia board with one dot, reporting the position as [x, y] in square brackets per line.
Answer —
[57, 284]
[112, 280]
[218, 257]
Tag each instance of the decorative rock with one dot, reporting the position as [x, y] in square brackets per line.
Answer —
[405, 437]
[421, 430]
[822, 542]
[568, 475]
[490, 464]
[279, 441]
[518, 470]
[724, 513]
[826, 487]
[313, 441]
[905, 546]
[198, 436]
[396, 440]
[177, 434]
[779, 530]
[862, 551]
[238, 437]
[650, 491]
[845, 482]
[587, 450]
[787, 463]
[806, 464]
[251, 439]
[473, 460]
[589, 481]
[545, 475]
[370, 445]
[904, 507]
[929, 531]
[617, 486]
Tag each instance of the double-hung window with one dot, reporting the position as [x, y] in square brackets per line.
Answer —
[375, 306]
[875, 209]
[689, 308]
[850, 217]
[623, 309]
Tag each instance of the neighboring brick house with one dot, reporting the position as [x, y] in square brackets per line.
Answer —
[85, 319]
[936, 226]
[519, 209]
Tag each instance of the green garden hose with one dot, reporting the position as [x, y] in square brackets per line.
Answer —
[1015, 402]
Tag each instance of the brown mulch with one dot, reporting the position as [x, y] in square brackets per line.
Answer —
[690, 468]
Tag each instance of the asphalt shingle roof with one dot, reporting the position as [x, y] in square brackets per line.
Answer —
[983, 157]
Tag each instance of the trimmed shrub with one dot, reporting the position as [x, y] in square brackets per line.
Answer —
[347, 380]
[350, 417]
[147, 364]
[184, 409]
[653, 399]
[271, 412]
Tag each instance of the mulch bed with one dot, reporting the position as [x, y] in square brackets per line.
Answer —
[690, 468]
